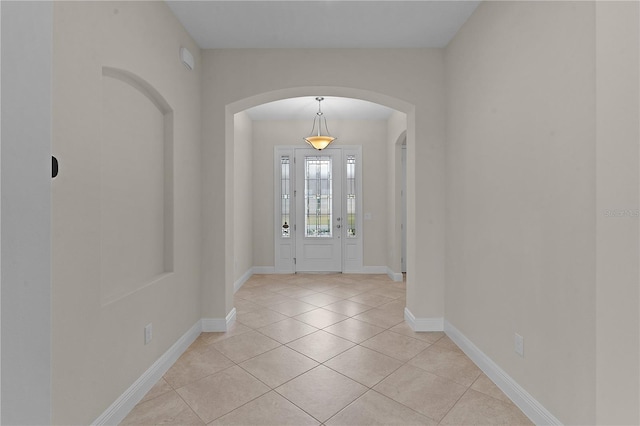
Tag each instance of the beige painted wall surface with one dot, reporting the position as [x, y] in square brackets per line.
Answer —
[244, 196]
[410, 78]
[98, 345]
[521, 195]
[396, 127]
[369, 134]
[617, 190]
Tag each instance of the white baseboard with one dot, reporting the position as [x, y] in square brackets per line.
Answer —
[520, 397]
[212, 325]
[243, 279]
[230, 319]
[271, 270]
[423, 324]
[125, 403]
[395, 276]
[370, 270]
[267, 270]
[254, 270]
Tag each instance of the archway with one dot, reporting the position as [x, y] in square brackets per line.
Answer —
[408, 111]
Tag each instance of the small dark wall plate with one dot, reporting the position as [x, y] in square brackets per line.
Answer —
[54, 166]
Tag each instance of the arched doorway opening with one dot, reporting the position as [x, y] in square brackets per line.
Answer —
[235, 235]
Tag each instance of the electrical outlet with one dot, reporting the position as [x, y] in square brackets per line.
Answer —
[148, 333]
[519, 345]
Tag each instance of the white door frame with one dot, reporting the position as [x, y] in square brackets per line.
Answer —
[285, 245]
[403, 209]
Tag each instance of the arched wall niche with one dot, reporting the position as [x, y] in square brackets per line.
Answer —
[136, 185]
[139, 84]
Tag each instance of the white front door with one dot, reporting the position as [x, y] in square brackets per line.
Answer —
[318, 210]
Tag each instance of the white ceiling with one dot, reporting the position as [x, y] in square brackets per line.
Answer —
[218, 24]
[322, 24]
[334, 108]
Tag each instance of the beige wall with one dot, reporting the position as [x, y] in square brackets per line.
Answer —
[97, 340]
[369, 134]
[396, 133]
[542, 133]
[244, 196]
[25, 231]
[617, 195]
[235, 80]
[528, 247]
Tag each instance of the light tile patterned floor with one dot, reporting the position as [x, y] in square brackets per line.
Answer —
[324, 349]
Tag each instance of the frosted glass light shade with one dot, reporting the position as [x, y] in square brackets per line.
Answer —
[319, 142]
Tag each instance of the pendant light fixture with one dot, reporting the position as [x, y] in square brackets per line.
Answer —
[318, 141]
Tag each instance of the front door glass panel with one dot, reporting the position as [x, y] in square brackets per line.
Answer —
[318, 197]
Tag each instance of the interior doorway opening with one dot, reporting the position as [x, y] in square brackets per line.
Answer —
[249, 238]
[287, 248]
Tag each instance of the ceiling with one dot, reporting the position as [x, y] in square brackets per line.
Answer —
[322, 24]
[334, 108]
[217, 24]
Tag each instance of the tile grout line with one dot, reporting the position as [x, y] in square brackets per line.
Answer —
[368, 388]
[453, 405]
[259, 288]
[371, 388]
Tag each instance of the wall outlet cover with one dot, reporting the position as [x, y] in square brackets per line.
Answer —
[519, 345]
[148, 333]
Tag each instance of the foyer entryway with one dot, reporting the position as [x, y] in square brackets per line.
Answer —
[318, 213]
